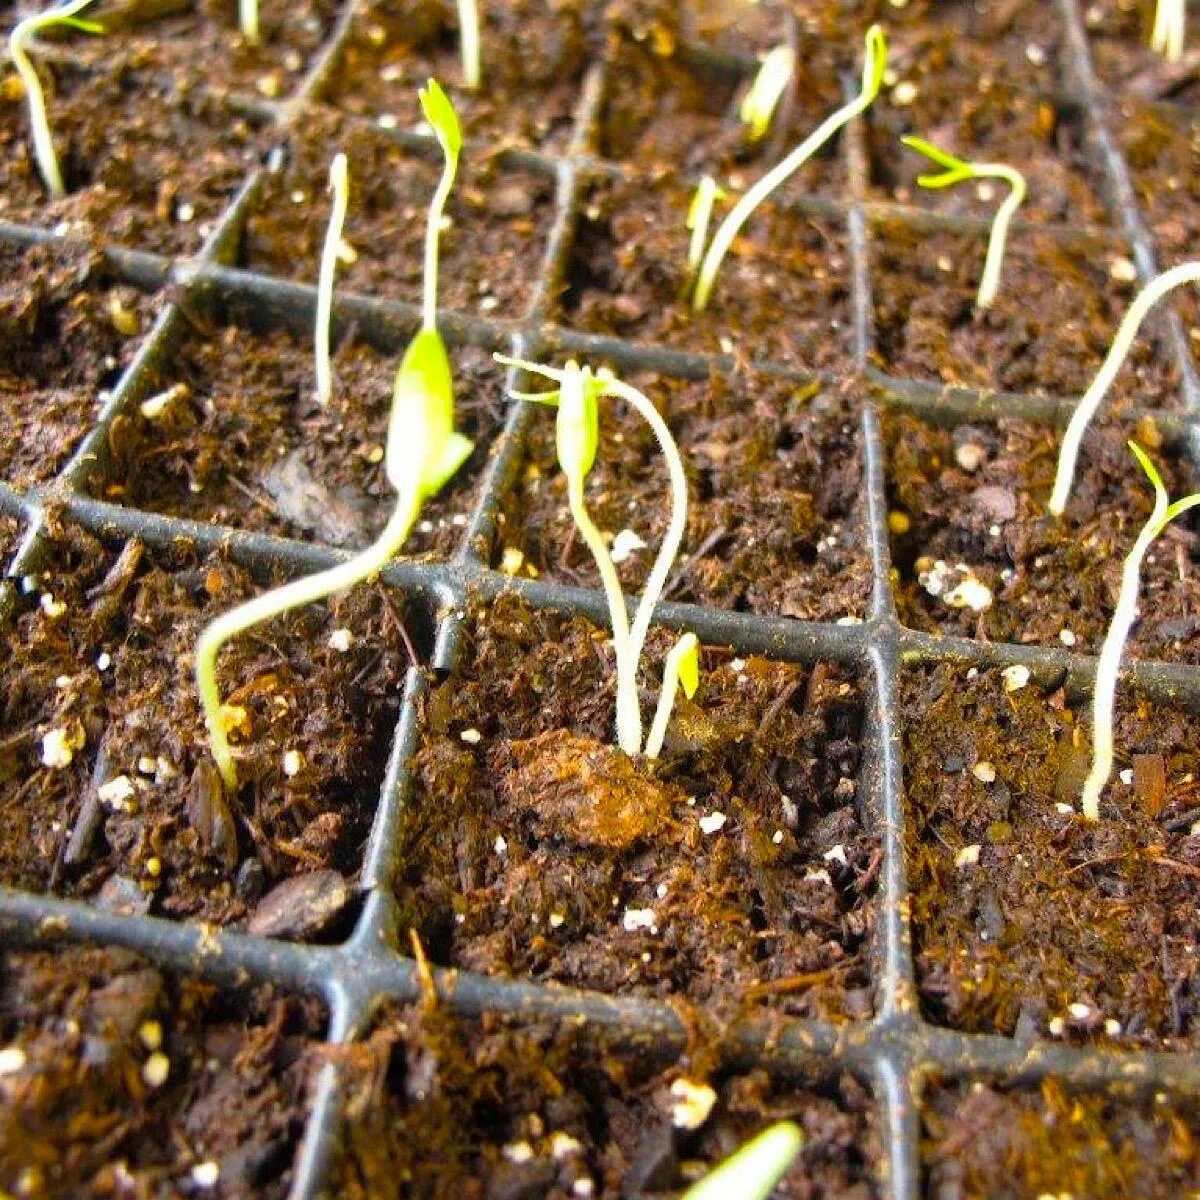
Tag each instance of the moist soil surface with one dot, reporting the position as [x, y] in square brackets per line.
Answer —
[775, 506]
[483, 1109]
[489, 256]
[984, 1142]
[628, 270]
[101, 676]
[146, 163]
[132, 1081]
[68, 329]
[534, 847]
[1027, 919]
[533, 55]
[1051, 325]
[246, 444]
[987, 520]
[1119, 40]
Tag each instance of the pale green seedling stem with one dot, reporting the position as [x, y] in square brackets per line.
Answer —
[958, 170]
[468, 38]
[1167, 36]
[248, 20]
[682, 669]
[707, 193]
[441, 116]
[874, 66]
[759, 103]
[604, 383]
[18, 39]
[1081, 418]
[752, 1172]
[1109, 662]
[339, 184]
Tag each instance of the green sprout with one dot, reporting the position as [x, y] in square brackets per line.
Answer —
[18, 48]
[957, 170]
[440, 114]
[1081, 418]
[468, 37]
[1167, 36]
[339, 184]
[576, 441]
[759, 103]
[699, 214]
[248, 20]
[423, 452]
[1109, 662]
[874, 65]
[752, 1172]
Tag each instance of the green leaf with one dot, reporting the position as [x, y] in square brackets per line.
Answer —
[577, 430]
[875, 62]
[1178, 507]
[957, 169]
[1151, 470]
[81, 24]
[423, 450]
[752, 1172]
[689, 664]
[440, 114]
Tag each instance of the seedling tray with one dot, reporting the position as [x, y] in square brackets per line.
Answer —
[905, 1056]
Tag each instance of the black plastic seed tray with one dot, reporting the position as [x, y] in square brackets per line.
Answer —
[897, 1050]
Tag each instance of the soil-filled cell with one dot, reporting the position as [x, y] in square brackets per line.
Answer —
[1029, 920]
[734, 871]
[629, 268]
[200, 44]
[487, 1108]
[968, 508]
[1053, 320]
[122, 1079]
[986, 1142]
[1119, 36]
[146, 164]
[67, 329]
[490, 251]
[775, 496]
[682, 113]
[242, 441]
[109, 790]
[532, 59]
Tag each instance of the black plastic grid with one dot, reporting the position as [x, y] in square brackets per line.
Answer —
[896, 1050]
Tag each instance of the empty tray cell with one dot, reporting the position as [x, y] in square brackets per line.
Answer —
[67, 328]
[490, 252]
[775, 497]
[109, 788]
[1118, 35]
[202, 45]
[146, 163]
[490, 1107]
[121, 1078]
[735, 872]
[978, 555]
[983, 1141]
[1057, 311]
[782, 294]
[1162, 149]
[527, 96]
[235, 436]
[680, 111]
[988, 120]
[1029, 920]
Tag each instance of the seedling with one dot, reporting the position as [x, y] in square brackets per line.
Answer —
[1081, 418]
[874, 65]
[752, 1172]
[248, 20]
[339, 184]
[759, 103]
[1167, 36]
[708, 192]
[423, 452]
[957, 170]
[468, 38]
[18, 48]
[681, 670]
[577, 437]
[1107, 666]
